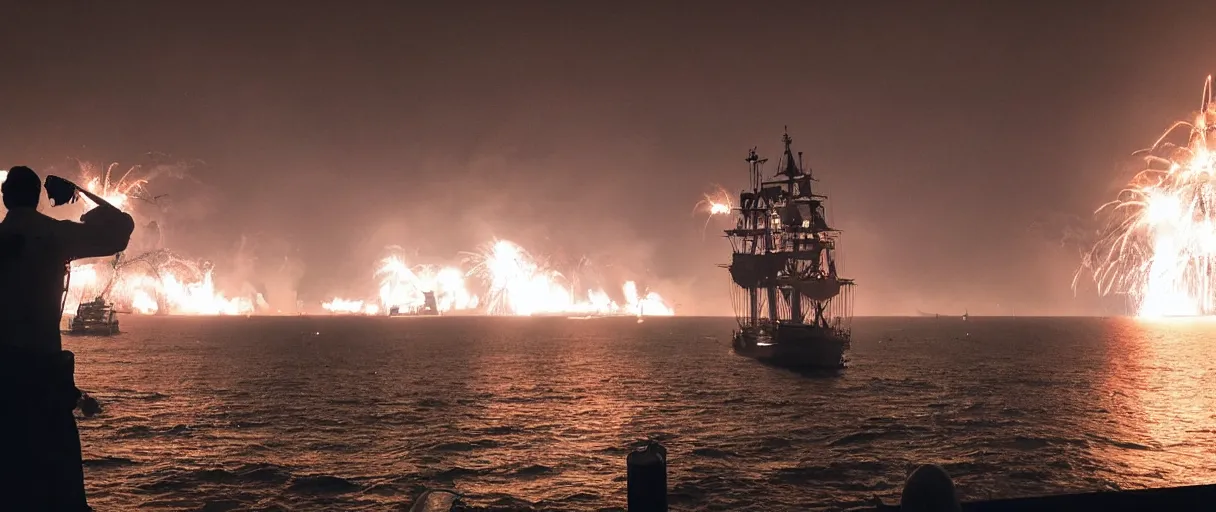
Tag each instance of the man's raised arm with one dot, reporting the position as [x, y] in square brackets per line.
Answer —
[102, 231]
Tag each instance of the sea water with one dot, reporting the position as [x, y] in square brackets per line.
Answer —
[334, 413]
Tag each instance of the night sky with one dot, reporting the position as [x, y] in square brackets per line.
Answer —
[959, 141]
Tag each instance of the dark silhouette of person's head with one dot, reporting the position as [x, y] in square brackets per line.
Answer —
[929, 489]
[22, 188]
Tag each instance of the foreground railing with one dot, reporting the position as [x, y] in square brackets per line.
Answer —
[646, 476]
[1193, 497]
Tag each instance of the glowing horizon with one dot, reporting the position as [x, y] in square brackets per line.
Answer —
[159, 281]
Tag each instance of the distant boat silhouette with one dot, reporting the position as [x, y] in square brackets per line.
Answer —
[938, 315]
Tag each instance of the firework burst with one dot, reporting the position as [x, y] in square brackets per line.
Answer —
[120, 188]
[153, 282]
[1158, 243]
[156, 281]
[714, 203]
[517, 282]
[350, 307]
[403, 286]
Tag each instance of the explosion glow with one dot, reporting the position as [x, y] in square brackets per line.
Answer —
[520, 285]
[350, 307]
[403, 287]
[715, 203]
[158, 281]
[1158, 245]
[515, 284]
[118, 193]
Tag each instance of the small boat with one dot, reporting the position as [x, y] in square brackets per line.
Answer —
[96, 318]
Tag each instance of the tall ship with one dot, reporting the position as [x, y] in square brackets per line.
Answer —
[792, 308]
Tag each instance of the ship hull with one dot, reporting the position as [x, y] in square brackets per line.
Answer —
[94, 330]
[793, 346]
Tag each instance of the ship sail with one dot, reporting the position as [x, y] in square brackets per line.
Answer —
[815, 289]
[783, 264]
[757, 270]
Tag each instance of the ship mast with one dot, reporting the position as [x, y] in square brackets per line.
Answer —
[752, 220]
[782, 244]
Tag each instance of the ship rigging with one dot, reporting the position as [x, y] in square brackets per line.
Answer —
[792, 307]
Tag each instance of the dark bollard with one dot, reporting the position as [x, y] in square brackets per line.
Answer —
[646, 472]
[88, 405]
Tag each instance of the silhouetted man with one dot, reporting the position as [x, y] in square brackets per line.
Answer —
[40, 460]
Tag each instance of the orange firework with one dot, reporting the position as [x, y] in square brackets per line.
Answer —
[403, 286]
[514, 282]
[714, 203]
[157, 281]
[1159, 240]
[118, 190]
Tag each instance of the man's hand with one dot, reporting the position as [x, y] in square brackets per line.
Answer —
[60, 191]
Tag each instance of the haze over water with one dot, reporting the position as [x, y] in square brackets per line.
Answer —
[364, 413]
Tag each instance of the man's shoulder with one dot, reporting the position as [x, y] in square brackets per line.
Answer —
[27, 230]
[61, 222]
[35, 225]
[23, 217]
[47, 222]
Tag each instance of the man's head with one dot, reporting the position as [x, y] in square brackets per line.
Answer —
[929, 489]
[22, 188]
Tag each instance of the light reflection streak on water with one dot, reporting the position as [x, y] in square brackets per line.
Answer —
[572, 396]
[1161, 401]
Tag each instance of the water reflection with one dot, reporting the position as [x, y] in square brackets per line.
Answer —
[553, 417]
[1161, 401]
[365, 414]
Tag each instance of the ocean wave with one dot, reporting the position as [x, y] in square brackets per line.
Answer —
[199, 417]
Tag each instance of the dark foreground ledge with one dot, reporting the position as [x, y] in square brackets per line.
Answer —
[1192, 497]
[929, 486]
[1165, 499]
